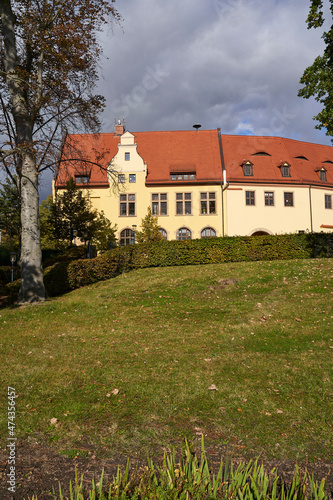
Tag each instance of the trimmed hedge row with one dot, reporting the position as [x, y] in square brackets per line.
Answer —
[68, 275]
[216, 250]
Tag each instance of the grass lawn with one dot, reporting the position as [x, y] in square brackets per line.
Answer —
[128, 365]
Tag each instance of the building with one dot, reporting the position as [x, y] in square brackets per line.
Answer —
[201, 183]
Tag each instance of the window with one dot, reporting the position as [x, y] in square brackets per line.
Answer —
[261, 153]
[183, 234]
[81, 179]
[163, 232]
[127, 237]
[269, 199]
[249, 197]
[132, 177]
[208, 232]
[159, 204]
[183, 203]
[328, 201]
[322, 175]
[207, 203]
[121, 178]
[288, 199]
[189, 176]
[127, 156]
[285, 170]
[248, 169]
[127, 204]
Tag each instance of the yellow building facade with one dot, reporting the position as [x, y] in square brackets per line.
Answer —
[201, 183]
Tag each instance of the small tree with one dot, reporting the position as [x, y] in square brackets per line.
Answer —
[150, 230]
[71, 210]
[10, 212]
[47, 236]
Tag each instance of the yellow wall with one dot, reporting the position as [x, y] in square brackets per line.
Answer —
[243, 219]
[108, 200]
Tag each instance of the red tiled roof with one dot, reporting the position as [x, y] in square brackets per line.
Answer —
[236, 149]
[164, 152]
[191, 151]
[87, 154]
[178, 151]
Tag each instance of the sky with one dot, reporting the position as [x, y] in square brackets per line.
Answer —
[233, 64]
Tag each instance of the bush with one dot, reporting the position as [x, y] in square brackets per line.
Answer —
[12, 290]
[85, 272]
[216, 250]
[6, 274]
[56, 279]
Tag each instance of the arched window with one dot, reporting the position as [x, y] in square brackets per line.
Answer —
[163, 232]
[183, 234]
[208, 232]
[127, 237]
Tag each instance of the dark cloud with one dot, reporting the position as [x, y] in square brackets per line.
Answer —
[233, 64]
[220, 63]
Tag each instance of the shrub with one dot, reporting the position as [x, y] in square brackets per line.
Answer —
[12, 290]
[56, 279]
[6, 274]
[85, 272]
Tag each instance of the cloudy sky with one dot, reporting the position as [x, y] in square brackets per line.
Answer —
[233, 64]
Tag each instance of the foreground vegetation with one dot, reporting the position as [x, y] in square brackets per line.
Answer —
[238, 352]
[190, 478]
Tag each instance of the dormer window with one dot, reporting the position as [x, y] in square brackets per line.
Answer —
[285, 169]
[322, 175]
[248, 169]
[81, 179]
[261, 153]
[182, 176]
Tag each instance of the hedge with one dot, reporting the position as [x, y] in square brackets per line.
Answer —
[67, 275]
[228, 249]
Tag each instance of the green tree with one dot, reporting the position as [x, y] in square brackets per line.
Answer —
[10, 212]
[317, 79]
[150, 230]
[47, 236]
[48, 71]
[71, 210]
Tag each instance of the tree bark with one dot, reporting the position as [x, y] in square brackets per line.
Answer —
[32, 286]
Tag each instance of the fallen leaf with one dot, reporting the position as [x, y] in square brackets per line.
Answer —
[280, 411]
[208, 360]
[115, 391]
[213, 388]
[53, 421]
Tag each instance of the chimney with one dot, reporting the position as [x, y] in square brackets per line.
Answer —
[119, 126]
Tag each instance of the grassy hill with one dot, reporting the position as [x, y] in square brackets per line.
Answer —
[241, 353]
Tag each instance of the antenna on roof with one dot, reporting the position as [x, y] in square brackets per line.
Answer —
[196, 126]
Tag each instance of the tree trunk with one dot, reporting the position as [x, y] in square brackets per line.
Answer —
[32, 287]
